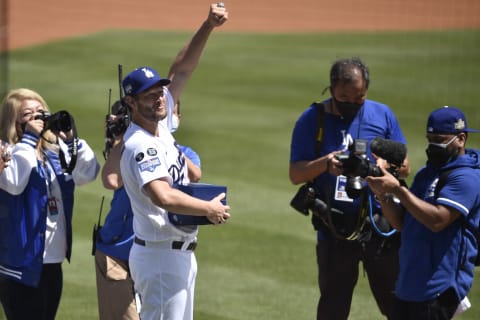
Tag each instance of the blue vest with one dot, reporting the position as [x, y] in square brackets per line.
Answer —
[116, 236]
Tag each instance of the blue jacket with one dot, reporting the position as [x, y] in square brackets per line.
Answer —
[23, 222]
[431, 262]
[23, 206]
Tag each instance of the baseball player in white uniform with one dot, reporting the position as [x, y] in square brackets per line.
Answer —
[162, 261]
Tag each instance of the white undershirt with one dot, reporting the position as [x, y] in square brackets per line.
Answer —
[55, 234]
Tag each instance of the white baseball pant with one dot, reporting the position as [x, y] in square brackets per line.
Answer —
[165, 280]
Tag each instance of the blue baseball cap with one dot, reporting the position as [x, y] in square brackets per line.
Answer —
[142, 79]
[448, 120]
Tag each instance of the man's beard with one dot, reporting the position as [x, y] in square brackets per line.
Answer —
[149, 113]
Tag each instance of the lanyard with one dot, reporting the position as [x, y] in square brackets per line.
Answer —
[47, 172]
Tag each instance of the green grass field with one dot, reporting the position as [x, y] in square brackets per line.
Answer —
[239, 109]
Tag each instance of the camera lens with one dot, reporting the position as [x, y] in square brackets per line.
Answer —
[354, 187]
[60, 121]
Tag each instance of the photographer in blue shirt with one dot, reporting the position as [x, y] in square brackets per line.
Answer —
[348, 117]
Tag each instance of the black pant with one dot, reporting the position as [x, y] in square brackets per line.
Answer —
[338, 262]
[21, 302]
[441, 308]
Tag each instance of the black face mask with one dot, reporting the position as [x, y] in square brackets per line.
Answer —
[438, 154]
[348, 110]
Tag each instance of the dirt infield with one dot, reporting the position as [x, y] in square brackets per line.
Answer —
[32, 22]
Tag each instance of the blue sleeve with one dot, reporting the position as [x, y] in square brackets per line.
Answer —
[303, 141]
[191, 154]
[395, 132]
[460, 191]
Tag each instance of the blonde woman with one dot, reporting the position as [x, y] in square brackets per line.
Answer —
[37, 185]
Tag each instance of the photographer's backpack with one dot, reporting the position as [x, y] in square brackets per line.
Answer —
[475, 230]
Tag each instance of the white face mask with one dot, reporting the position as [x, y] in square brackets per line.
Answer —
[175, 123]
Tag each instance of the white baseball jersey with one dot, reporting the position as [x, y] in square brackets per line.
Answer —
[158, 274]
[146, 158]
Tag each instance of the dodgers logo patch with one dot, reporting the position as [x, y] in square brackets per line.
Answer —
[152, 152]
[149, 165]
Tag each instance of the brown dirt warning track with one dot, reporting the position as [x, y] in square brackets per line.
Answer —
[32, 22]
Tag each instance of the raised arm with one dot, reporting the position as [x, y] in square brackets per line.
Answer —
[187, 59]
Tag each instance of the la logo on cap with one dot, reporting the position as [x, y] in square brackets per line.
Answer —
[148, 73]
[459, 125]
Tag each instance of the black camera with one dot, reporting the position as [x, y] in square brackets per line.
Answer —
[114, 128]
[306, 200]
[356, 164]
[59, 121]
[119, 126]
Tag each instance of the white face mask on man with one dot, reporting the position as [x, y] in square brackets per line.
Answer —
[175, 123]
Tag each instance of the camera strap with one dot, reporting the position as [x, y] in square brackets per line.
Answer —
[72, 149]
[328, 219]
[359, 224]
[320, 125]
